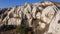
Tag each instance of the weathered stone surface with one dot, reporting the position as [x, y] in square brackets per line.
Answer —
[43, 17]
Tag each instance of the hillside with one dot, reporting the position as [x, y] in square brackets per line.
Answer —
[40, 18]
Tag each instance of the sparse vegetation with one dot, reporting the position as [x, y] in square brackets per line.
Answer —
[20, 29]
[7, 27]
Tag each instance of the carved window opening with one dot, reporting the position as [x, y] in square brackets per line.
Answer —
[59, 22]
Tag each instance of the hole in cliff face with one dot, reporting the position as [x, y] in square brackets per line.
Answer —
[59, 22]
[11, 15]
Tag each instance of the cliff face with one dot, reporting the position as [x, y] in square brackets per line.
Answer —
[44, 17]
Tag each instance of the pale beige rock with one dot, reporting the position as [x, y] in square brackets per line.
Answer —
[40, 8]
[47, 14]
[42, 25]
[54, 24]
[34, 11]
[7, 17]
[14, 21]
[49, 3]
[37, 16]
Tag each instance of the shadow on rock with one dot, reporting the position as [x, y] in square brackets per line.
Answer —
[7, 27]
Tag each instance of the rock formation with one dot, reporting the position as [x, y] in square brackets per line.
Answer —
[43, 17]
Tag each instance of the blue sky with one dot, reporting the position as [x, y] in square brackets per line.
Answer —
[10, 3]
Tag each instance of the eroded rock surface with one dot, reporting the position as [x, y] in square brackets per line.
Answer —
[43, 17]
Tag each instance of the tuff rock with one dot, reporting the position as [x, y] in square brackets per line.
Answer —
[43, 17]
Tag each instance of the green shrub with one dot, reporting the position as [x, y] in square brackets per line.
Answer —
[20, 29]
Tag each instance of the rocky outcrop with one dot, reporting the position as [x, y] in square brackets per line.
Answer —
[43, 17]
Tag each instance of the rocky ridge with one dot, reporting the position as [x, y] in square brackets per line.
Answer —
[43, 17]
